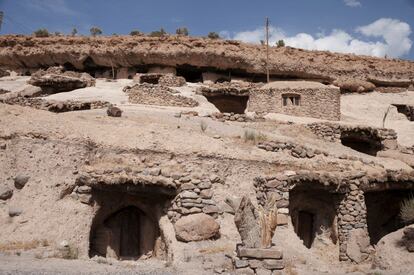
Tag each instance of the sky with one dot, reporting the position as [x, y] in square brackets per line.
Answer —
[370, 27]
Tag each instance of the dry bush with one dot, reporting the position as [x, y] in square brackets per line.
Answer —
[407, 210]
[253, 136]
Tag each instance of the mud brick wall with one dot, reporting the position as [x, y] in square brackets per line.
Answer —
[323, 103]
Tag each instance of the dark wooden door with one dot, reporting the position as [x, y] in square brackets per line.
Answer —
[129, 240]
[305, 228]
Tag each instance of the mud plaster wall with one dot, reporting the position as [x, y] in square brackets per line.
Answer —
[317, 103]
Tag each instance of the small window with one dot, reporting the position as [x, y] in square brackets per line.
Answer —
[291, 100]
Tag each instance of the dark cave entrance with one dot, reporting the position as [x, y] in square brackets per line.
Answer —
[406, 110]
[361, 142]
[313, 212]
[383, 212]
[190, 73]
[229, 103]
[90, 67]
[126, 224]
[126, 234]
[150, 78]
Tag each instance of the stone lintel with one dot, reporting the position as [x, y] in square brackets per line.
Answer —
[259, 253]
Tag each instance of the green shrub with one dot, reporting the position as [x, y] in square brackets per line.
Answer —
[407, 210]
[95, 31]
[41, 33]
[280, 43]
[182, 31]
[159, 33]
[135, 32]
[213, 35]
[74, 31]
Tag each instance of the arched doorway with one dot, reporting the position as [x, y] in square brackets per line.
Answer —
[126, 234]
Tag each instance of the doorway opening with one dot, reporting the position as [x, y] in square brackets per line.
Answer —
[383, 209]
[314, 215]
[126, 235]
[361, 142]
[229, 103]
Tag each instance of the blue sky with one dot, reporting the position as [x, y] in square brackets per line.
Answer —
[373, 27]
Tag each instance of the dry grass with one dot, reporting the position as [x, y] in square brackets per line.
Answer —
[253, 136]
[10, 246]
[407, 210]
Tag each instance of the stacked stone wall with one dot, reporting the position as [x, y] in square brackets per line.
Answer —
[323, 103]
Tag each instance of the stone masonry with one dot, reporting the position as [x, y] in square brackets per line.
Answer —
[351, 209]
[321, 102]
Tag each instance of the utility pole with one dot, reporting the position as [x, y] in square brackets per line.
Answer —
[1, 18]
[267, 49]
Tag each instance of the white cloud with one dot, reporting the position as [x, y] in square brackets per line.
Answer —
[55, 6]
[391, 37]
[352, 3]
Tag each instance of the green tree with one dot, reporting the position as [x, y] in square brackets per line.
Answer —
[159, 33]
[95, 31]
[74, 31]
[41, 33]
[135, 32]
[182, 31]
[213, 35]
[280, 43]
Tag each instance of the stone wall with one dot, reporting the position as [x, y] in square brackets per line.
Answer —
[54, 105]
[169, 80]
[354, 241]
[323, 103]
[152, 94]
[332, 132]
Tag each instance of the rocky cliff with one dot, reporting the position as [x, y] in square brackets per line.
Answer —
[27, 52]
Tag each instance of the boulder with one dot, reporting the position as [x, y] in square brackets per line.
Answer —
[196, 227]
[391, 251]
[20, 181]
[5, 192]
[114, 111]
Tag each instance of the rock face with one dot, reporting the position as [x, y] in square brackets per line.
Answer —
[5, 192]
[56, 80]
[358, 245]
[391, 251]
[409, 238]
[354, 85]
[196, 227]
[22, 52]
